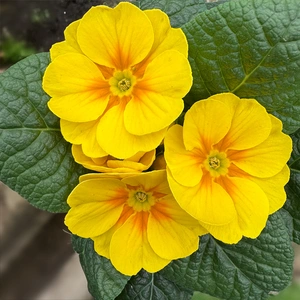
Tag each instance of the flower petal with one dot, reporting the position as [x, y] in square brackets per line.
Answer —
[201, 128]
[114, 192]
[102, 242]
[104, 176]
[87, 161]
[118, 142]
[274, 188]
[122, 36]
[251, 204]
[170, 207]
[250, 123]
[149, 112]
[168, 238]
[229, 233]
[165, 38]
[150, 181]
[83, 220]
[130, 250]
[75, 82]
[168, 74]
[69, 45]
[180, 161]
[105, 204]
[268, 158]
[83, 134]
[207, 202]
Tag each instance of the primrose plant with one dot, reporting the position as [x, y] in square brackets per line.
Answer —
[168, 132]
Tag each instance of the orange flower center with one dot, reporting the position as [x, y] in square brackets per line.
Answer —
[217, 163]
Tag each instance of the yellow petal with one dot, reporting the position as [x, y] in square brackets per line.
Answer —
[92, 219]
[184, 165]
[86, 161]
[150, 112]
[150, 181]
[114, 192]
[61, 48]
[69, 45]
[102, 242]
[201, 128]
[165, 38]
[118, 142]
[168, 238]
[130, 250]
[104, 176]
[116, 38]
[168, 74]
[78, 89]
[229, 233]
[207, 202]
[131, 166]
[274, 188]
[250, 123]
[268, 158]
[83, 134]
[251, 204]
[96, 206]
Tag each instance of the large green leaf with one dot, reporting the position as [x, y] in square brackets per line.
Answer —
[250, 48]
[104, 281]
[179, 12]
[35, 160]
[291, 209]
[146, 286]
[250, 269]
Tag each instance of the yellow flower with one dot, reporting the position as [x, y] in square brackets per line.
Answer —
[227, 165]
[118, 79]
[141, 161]
[134, 221]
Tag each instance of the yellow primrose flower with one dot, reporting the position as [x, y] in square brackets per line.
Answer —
[135, 221]
[227, 165]
[118, 79]
[141, 161]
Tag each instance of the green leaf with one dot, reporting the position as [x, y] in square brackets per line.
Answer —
[250, 48]
[104, 281]
[146, 286]
[179, 12]
[250, 269]
[291, 210]
[35, 160]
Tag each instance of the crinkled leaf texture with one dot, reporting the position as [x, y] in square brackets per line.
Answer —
[146, 286]
[35, 160]
[250, 269]
[179, 12]
[291, 210]
[104, 281]
[250, 48]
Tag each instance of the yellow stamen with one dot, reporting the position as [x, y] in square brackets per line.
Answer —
[124, 84]
[214, 162]
[141, 196]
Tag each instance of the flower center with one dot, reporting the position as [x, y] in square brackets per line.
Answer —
[139, 199]
[141, 196]
[124, 84]
[217, 163]
[121, 83]
[214, 162]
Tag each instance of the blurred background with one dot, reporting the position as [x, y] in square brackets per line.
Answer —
[37, 261]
